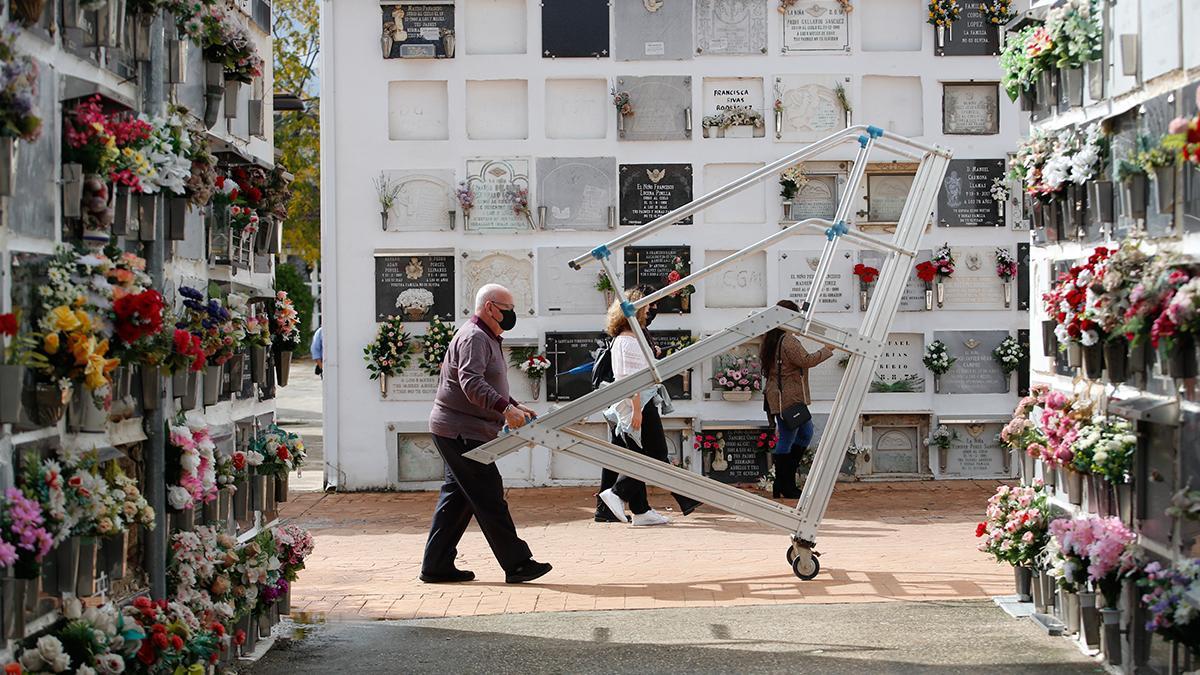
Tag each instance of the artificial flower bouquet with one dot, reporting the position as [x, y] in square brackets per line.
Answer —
[679, 269]
[943, 261]
[294, 545]
[191, 465]
[1009, 354]
[434, 344]
[937, 358]
[18, 93]
[1017, 524]
[941, 437]
[1169, 593]
[285, 323]
[1006, 264]
[391, 351]
[738, 373]
[792, 180]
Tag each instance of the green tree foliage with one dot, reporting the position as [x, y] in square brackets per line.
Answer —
[288, 278]
[298, 134]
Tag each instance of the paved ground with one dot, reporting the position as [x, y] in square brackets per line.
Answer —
[953, 637]
[298, 409]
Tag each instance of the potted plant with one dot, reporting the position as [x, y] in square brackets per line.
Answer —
[18, 118]
[866, 277]
[621, 102]
[926, 272]
[604, 285]
[387, 190]
[389, 353]
[434, 343]
[1006, 269]
[943, 263]
[1008, 354]
[466, 201]
[1015, 530]
[791, 181]
[938, 360]
[285, 337]
[738, 377]
[941, 438]
[533, 364]
[942, 15]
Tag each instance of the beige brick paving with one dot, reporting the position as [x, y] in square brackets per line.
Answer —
[880, 542]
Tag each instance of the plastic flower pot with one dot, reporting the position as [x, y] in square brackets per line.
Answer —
[281, 488]
[177, 50]
[241, 499]
[283, 366]
[45, 404]
[1135, 196]
[1074, 481]
[147, 214]
[190, 397]
[210, 513]
[1038, 589]
[1049, 339]
[113, 555]
[1028, 469]
[212, 384]
[1074, 355]
[258, 492]
[85, 570]
[1112, 635]
[1164, 182]
[1180, 362]
[258, 364]
[233, 89]
[1116, 360]
[183, 520]
[8, 164]
[1069, 602]
[1023, 576]
[1093, 361]
[1071, 86]
[1100, 201]
[84, 414]
[12, 384]
[177, 209]
[12, 605]
[66, 564]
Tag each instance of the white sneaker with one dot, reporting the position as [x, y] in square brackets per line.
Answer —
[614, 504]
[649, 518]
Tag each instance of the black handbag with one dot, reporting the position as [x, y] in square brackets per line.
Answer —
[796, 415]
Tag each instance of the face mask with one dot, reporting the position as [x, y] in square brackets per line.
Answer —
[508, 319]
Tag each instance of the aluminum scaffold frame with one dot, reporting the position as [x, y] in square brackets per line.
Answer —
[864, 346]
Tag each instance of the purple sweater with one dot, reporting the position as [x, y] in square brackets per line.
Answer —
[472, 390]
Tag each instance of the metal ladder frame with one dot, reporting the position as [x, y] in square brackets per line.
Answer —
[864, 346]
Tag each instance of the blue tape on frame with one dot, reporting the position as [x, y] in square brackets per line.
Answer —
[628, 309]
[875, 131]
[862, 140]
[839, 228]
[601, 252]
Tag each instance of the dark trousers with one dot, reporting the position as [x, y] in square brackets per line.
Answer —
[654, 446]
[471, 489]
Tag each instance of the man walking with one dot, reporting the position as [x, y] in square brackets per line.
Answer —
[471, 405]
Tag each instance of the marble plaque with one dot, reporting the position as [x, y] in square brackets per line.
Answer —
[974, 285]
[418, 30]
[740, 284]
[577, 109]
[1023, 293]
[653, 30]
[679, 387]
[418, 459]
[811, 109]
[418, 110]
[425, 201]
[497, 110]
[31, 208]
[913, 298]
[495, 26]
[511, 269]
[414, 384]
[817, 199]
[650, 191]
[886, 195]
[816, 26]
[731, 27]
[826, 377]
[971, 109]
[839, 292]
[972, 34]
[661, 106]
[577, 192]
[900, 369]
[725, 94]
[965, 199]
[574, 28]
[748, 206]
[738, 459]
[562, 290]
[415, 286]
[895, 449]
[652, 265]
[974, 371]
[491, 180]
[976, 452]
[1023, 371]
[565, 352]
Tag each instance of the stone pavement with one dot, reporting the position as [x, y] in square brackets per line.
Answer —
[882, 542]
[299, 410]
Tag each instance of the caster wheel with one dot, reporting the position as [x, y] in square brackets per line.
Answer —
[806, 567]
[791, 555]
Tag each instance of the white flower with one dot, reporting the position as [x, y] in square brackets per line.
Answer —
[85, 670]
[110, 664]
[1089, 338]
[32, 661]
[178, 497]
[72, 608]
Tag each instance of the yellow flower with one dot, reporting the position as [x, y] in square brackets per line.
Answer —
[64, 318]
[50, 344]
[85, 321]
[94, 376]
[81, 348]
[98, 127]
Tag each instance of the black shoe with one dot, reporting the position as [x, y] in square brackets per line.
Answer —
[604, 514]
[454, 576]
[687, 505]
[528, 571]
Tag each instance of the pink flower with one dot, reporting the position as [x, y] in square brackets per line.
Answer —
[1179, 124]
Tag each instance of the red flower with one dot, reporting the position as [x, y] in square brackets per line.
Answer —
[980, 529]
[139, 315]
[160, 640]
[239, 638]
[866, 273]
[8, 324]
[218, 629]
[176, 642]
[673, 276]
[282, 453]
[926, 271]
[158, 628]
[147, 654]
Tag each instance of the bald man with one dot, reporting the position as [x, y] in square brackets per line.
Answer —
[471, 406]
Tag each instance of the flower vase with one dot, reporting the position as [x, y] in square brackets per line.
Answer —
[787, 211]
[1074, 481]
[45, 404]
[620, 124]
[264, 626]
[1100, 201]
[8, 164]
[241, 499]
[114, 552]
[283, 366]
[1074, 355]
[1049, 338]
[778, 124]
[738, 396]
[281, 488]
[84, 414]
[1023, 576]
[147, 214]
[383, 385]
[177, 57]
[183, 520]
[233, 90]
[609, 298]
[66, 564]
[1072, 86]
[535, 388]
[85, 570]
[1093, 361]
[273, 612]
[258, 492]
[225, 504]
[1007, 295]
[448, 45]
[1112, 635]
[191, 395]
[1182, 359]
[12, 605]
[250, 627]
[258, 364]
[849, 117]
[1028, 99]
[1037, 588]
[1164, 180]
[1135, 196]
[941, 38]
[1089, 619]
[685, 302]
[1028, 468]
[1116, 360]
[212, 384]
[237, 371]
[862, 300]
[383, 219]
[1069, 604]
[12, 384]
[941, 294]
[210, 513]
[177, 210]
[285, 601]
[928, 298]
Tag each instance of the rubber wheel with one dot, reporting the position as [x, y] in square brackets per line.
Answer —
[806, 574]
[791, 555]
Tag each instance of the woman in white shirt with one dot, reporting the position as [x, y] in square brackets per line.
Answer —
[639, 426]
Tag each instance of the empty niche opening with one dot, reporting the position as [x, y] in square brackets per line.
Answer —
[747, 206]
[892, 25]
[418, 110]
[497, 109]
[894, 103]
[495, 26]
[576, 109]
